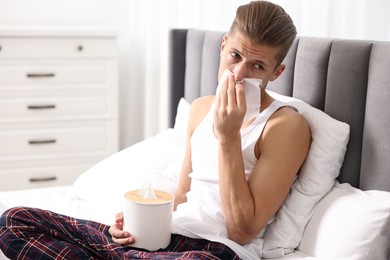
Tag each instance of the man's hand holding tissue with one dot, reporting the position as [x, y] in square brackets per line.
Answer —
[118, 235]
[230, 109]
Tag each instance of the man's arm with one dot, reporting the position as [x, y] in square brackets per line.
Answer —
[248, 205]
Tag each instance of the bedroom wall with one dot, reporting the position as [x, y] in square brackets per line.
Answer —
[142, 27]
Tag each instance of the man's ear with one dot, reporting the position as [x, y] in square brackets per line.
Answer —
[279, 70]
[223, 43]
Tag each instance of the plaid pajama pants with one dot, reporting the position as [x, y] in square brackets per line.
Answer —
[29, 233]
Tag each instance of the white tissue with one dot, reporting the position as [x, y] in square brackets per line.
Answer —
[252, 94]
[146, 191]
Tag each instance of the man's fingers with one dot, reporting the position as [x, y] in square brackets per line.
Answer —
[117, 231]
[231, 91]
[240, 97]
[124, 241]
[119, 236]
[223, 98]
[119, 215]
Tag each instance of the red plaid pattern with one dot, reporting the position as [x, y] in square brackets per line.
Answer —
[28, 233]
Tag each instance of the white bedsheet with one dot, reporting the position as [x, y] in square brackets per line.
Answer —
[59, 199]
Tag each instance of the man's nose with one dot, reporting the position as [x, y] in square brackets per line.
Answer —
[239, 72]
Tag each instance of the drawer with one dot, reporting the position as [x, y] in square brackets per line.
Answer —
[47, 47]
[57, 108]
[39, 177]
[47, 141]
[56, 73]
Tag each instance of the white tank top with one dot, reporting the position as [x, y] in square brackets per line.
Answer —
[202, 216]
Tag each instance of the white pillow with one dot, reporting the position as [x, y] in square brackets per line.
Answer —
[131, 168]
[317, 176]
[349, 224]
[181, 119]
[157, 159]
[181, 123]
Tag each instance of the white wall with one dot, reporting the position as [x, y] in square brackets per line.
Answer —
[143, 25]
[354, 19]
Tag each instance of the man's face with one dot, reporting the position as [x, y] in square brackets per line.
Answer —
[246, 59]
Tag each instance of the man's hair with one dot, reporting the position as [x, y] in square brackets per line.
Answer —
[265, 23]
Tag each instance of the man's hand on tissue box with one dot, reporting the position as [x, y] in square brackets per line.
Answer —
[118, 234]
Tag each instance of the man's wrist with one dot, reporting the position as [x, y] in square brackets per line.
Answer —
[229, 140]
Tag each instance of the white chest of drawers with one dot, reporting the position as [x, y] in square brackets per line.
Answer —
[58, 104]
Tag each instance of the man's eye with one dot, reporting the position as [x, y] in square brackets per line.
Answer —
[258, 66]
[235, 55]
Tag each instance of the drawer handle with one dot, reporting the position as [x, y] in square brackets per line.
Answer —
[32, 107]
[43, 141]
[40, 75]
[43, 179]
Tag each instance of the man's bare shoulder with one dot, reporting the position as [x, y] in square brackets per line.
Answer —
[199, 109]
[288, 122]
[201, 106]
[289, 116]
[286, 135]
[201, 103]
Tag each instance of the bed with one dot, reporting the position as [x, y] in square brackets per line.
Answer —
[339, 206]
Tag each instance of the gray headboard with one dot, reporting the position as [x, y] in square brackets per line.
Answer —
[348, 79]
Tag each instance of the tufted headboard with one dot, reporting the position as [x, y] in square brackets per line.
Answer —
[347, 79]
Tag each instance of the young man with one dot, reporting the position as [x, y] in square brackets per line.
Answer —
[235, 176]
